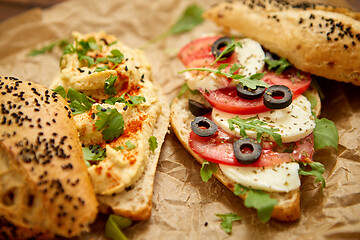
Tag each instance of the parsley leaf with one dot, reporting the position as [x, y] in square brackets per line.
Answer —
[100, 69]
[153, 143]
[61, 91]
[325, 134]
[207, 170]
[185, 88]
[111, 122]
[109, 87]
[227, 220]
[117, 57]
[130, 145]
[317, 169]
[48, 48]
[93, 153]
[119, 148]
[229, 48]
[114, 225]
[79, 102]
[133, 100]
[254, 124]
[252, 82]
[280, 64]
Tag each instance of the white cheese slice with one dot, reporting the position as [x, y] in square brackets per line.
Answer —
[282, 178]
[294, 122]
[250, 56]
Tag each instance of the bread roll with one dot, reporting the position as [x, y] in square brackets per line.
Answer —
[318, 39]
[45, 189]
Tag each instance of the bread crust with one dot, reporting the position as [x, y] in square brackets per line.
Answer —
[44, 186]
[319, 39]
[288, 209]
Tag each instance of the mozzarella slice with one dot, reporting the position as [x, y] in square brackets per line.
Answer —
[282, 178]
[250, 56]
[294, 122]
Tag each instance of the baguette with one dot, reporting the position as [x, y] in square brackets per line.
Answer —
[319, 39]
[44, 186]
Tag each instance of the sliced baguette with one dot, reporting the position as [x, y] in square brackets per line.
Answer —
[318, 39]
[45, 189]
[287, 210]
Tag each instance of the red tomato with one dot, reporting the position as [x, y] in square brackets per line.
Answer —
[226, 99]
[218, 148]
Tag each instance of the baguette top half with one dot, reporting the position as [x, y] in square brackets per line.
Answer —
[319, 39]
[45, 189]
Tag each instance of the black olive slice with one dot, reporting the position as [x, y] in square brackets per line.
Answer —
[277, 97]
[248, 93]
[198, 109]
[203, 127]
[247, 150]
[218, 45]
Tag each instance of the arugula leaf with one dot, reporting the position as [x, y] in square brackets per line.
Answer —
[229, 48]
[207, 170]
[191, 17]
[93, 153]
[251, 82]
[311, 98]
[325, 134]
[114, 225]
[281, 64]
[61, 91]
[254, 124]
[79, 102]
[111, 122]
[227, 220]
[153, 143]
[109, 87]
[48, 48]
[317, 169]
[130, 145]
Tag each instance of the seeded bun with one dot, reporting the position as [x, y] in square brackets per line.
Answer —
[45, 188]
[322, 40]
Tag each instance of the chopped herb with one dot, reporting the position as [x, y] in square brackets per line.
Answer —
[100, 69]
[185, 88]
[207, 170]
[317, 169]
[93, 153]
[130, 145]
[117, 57]
[153, 143]
[114, 225]
[109, 87]
[227, 220]
[111, 122]
[133, 100]
[259, 200]
[325, 134]
[79, 101]
[280, 64]
[119, 148]
[61, 91]
[48, 48]
[229, 48]
[254, 124]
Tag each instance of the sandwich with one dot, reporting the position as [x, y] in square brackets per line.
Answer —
[249, 110]
[121, 117]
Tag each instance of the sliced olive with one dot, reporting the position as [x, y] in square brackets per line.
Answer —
[247, 150]
[203, 127]
[248, 93]
[218, 46]
[198, 109]
[277, 97]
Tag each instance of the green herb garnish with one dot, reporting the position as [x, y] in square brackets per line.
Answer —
[111, 122]
[130, 145]
[259, 200]
[61, 91]
[311, 98]
[317, 169]
[79, 102]
[100, 69]
[227, 220]
[207, 170]
[280, 64]
[119, 148]
[229, 48]
[185, 88]
[191, 17]
[256, 125]
[133, 100]
[93, 153]
[325, 134]
[109, 87]
[48, 48]
[114, 225]
[117, 57]
[153, 143]
[251, 82]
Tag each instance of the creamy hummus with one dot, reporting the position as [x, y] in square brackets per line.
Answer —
[122, 165]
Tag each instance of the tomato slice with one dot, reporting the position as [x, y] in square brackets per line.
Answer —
[226, 99]
[218, 148]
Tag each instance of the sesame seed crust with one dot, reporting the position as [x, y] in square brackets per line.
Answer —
[320, 39]
[43, 167]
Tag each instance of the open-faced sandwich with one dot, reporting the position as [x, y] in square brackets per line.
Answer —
[250, 116]
[121, 117]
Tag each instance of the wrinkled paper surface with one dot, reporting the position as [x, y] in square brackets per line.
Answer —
[184, 207]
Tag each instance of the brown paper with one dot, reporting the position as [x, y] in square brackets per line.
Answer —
[184, 207]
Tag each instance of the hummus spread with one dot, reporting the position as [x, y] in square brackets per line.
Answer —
[126, 155]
